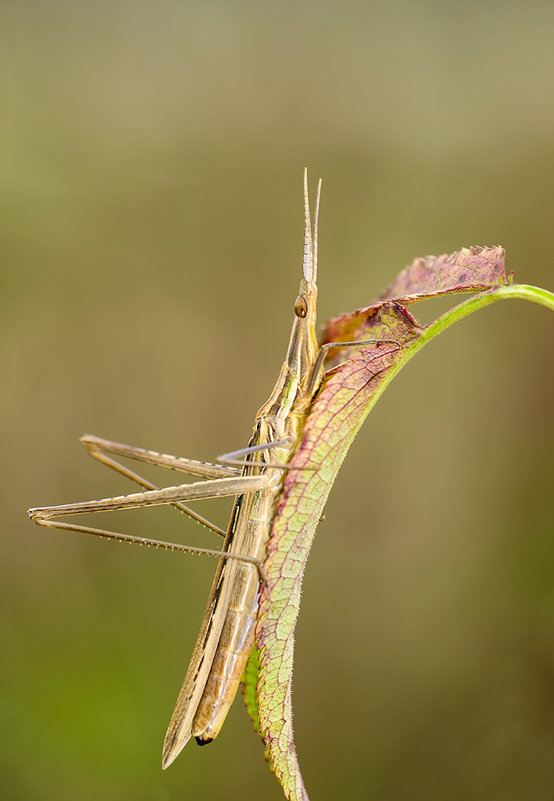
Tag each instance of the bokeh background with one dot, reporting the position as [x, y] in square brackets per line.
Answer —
[151, 161]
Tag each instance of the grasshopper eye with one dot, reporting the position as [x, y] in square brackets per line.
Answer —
[301, 307]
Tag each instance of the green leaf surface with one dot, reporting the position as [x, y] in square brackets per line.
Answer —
[349, 391]
[249, 688]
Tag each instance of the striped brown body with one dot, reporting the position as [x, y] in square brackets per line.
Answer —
[226, 637]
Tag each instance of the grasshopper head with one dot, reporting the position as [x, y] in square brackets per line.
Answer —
[304, 334]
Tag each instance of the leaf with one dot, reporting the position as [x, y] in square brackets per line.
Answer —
[468, 270]
[248, 684]
[347, 394]
[335, 417]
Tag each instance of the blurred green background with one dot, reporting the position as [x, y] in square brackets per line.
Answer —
[151, 161]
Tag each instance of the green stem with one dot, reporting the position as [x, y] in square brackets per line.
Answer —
[521, 291]
[480, 301]
[476, 302]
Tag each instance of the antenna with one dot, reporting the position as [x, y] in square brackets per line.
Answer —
[316, 229]
[308, 258]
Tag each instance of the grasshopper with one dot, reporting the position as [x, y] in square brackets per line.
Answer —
[254, 475]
